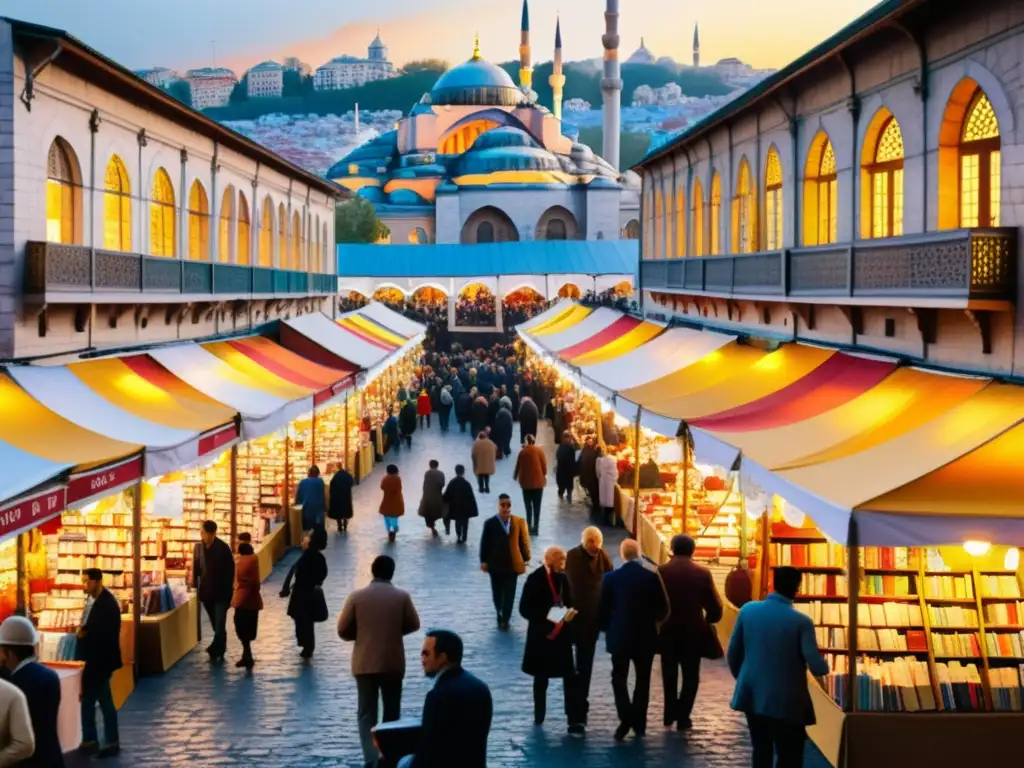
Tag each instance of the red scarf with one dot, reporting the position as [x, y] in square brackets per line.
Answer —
[557, 598]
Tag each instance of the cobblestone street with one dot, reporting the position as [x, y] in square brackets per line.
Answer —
[285, 714]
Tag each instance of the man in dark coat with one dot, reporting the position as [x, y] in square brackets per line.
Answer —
[41, 686]
[341, 498]
[548, 652]
[213, 570]
[585, 567]
[478, 415]
[504, 552]
[461, 503]
[407, 421]
[463, 405]
[588, 475]
[502, 431]
[689, 633]
[632, 606]
[565, 467]
[432, 502]
[99, 646]
[456, 713]
[528, 418]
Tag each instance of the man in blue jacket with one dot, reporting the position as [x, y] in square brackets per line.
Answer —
[457, 711]
[771, 649]
[632, 606]
[41, 686]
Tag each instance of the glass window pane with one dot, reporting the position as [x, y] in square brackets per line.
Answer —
[995, 193]
[833, 211]
[969, 184]
[897, 203]
[880, 204]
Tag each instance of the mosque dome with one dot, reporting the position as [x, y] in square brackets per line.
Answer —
[504, 136]
[522, 157]
[476, 83]
[367, 159]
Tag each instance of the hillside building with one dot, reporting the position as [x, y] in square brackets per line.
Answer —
[265, 80]
[349, 71]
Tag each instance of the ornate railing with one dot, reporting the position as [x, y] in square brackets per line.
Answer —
[957, 265]
[53, 268]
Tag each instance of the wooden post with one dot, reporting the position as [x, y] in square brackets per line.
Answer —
[686, 485]
[136, 573]
[287, 474]
[234, 497]
[312, 439]
[853, 581]
[346, 427]
[744, 553]
[21, 581]
[636, 472]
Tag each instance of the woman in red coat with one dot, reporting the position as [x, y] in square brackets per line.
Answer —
[423, 407]
[247, 601]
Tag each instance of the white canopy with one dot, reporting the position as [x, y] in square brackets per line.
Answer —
[57, 388]
[392, 320]
[554, 310]
[261, 412]
[593, 324]
[319, 328]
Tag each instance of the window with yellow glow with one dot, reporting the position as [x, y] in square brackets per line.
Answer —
[886, 178]
[198, 222]
[266, 246]
[716, 214]
[63, 194]
[296, 257]
[632, 230]
[161, 215]
[244, 235]
[648, 213]
[680, 222]
[745, 210]
[117, 207]
[463, 137]
[227, 215]
[773, 201]
[697, 211]
[980, 160]
[827, 193]
[282, 238]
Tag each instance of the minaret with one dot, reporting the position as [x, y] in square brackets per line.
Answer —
[557, 79]
[696, 47]
[611, 83]
[525, 70]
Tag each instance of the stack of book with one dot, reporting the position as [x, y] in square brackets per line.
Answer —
[956, 616]
[955, 645]
[958, 587]
[1006, 683]
[894, 685]
[960, 687]
[1004, 614]
[1006, 645]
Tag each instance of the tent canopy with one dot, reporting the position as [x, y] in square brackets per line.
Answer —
[561, 322]
[637, 336]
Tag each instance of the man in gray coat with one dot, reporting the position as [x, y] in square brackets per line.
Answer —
[376, 618]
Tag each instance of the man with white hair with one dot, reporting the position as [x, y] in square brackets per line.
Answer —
[631, 608]
[585, 567]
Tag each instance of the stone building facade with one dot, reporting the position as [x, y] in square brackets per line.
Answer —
[127, 218]
[870, 194]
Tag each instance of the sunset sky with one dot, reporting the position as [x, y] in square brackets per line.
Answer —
[181, 34]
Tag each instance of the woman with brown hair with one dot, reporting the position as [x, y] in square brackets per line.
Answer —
[247, 601]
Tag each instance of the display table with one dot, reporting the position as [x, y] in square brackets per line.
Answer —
[69, 716]
[167, 637]
[364, 463]
[295, 525]
[271, 550]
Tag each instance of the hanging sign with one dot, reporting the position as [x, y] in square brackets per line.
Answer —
[31, 511]
[168, 501]
[103, 482]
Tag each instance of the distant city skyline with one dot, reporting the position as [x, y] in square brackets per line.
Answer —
[185, 34]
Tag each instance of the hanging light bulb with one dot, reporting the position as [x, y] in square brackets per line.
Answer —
[1011, 561]
[793, 516]
[977, 548]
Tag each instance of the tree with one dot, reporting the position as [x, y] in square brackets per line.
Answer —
[355, 221]
[240, 92]
[295, 84]
[181, 90]
[425, 65]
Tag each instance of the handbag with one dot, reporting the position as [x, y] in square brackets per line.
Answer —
[710, 645]
[318, 605]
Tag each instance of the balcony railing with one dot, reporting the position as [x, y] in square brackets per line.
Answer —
[53, 268]
[957, 265]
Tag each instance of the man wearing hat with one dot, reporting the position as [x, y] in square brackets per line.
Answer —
[41, 686]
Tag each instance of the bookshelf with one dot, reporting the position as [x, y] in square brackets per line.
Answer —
[924, 640]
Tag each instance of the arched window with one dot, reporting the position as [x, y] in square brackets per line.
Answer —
[63, 194]
[161, 215]
[198, 223]
[680, 222]
[296, 256]
[659, 224]
[418, 236]
[244, 246]
[632, 230]
[485, 232]
[555, 230]
[282, 238]
[697, 212]
[117, 207]
[716, 214]
[266, 255]
[743, 211]
[886, 178]
[980, 193]
[773, 201]
[821, 220]
[227, 215]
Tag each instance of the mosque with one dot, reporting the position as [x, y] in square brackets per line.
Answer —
[478, 160]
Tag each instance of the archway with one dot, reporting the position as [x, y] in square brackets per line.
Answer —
[557, 223]
[821, 193]
[520, 304]
[476, 307]
[632, 230]
[391, 296]
[970, 160]
[429, 296]
[882, 177]
[63, 194]
[353, 300]
[489, 225]
[569, 291]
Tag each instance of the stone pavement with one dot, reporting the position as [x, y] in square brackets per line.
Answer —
[287, 714]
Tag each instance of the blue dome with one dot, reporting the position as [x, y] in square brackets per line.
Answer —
[373, 194]
[405, 197]
[514, 158]
[476, 83]
[504, 136]
[367, 158]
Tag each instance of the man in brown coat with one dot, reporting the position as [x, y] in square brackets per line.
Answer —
[504, 552]
[688, 634]
[377, 617]
[532, 473]
[485, 459]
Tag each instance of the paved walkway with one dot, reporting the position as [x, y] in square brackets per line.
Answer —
[285, 714]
